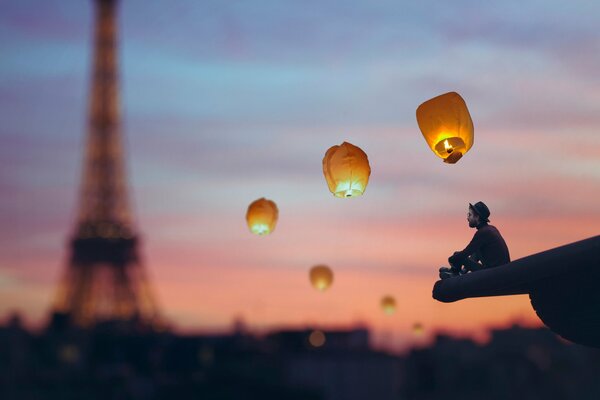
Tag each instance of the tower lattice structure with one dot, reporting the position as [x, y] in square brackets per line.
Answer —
[105, 279]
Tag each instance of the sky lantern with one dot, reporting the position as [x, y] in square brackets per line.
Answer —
[262, 216]
[321, 277]
[346, 169]
[418, 329]
[446, 126]
[317, 338]
[388, 304]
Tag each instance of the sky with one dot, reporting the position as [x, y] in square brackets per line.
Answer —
[226, 102]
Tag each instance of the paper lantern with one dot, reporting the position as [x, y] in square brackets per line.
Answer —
[346, 169]
[418, 329]
[388, 304]
[262, 216]
[316, 338]
[321, 277]
[446, 126]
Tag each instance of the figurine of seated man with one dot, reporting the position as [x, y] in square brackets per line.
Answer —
[487, 249]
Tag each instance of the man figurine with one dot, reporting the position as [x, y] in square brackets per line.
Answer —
[487, 246]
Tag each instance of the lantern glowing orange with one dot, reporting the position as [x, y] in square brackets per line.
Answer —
[418, 329]
[321, 277]
[388, 304]
[262, 216]
[316, 338]
[446, 126]
[346, 169]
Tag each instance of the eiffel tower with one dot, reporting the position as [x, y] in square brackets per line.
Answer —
[105, 279]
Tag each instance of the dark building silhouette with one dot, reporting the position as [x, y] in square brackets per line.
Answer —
[517, 363]
[104, 278]
[107, 363]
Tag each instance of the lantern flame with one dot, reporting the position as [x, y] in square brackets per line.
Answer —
[349, 188]
[418, 329]
[388, 304]
[321, 284]
[448, 147]
[260, 229]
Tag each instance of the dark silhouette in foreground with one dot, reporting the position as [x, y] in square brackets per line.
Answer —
[112, 361]
[562, 284]
[487, 249]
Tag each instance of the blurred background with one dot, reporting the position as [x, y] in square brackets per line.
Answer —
[226, 102]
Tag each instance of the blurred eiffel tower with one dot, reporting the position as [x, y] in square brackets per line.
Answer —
[104, 279]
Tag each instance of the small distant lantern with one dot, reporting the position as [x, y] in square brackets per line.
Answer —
[388, 304]
[69, 354]
[418, 329]
[316, 338]
[446, 126]
[346, 169]
[321, 277]
[262, 216]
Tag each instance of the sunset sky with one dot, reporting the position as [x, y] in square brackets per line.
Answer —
[224, 102]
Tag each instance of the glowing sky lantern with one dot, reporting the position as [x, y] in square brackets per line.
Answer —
[388, 304]
[418, 329]
[262, 216]
[446, 126]
[316, 338]
[321, 277]
[346, 169]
